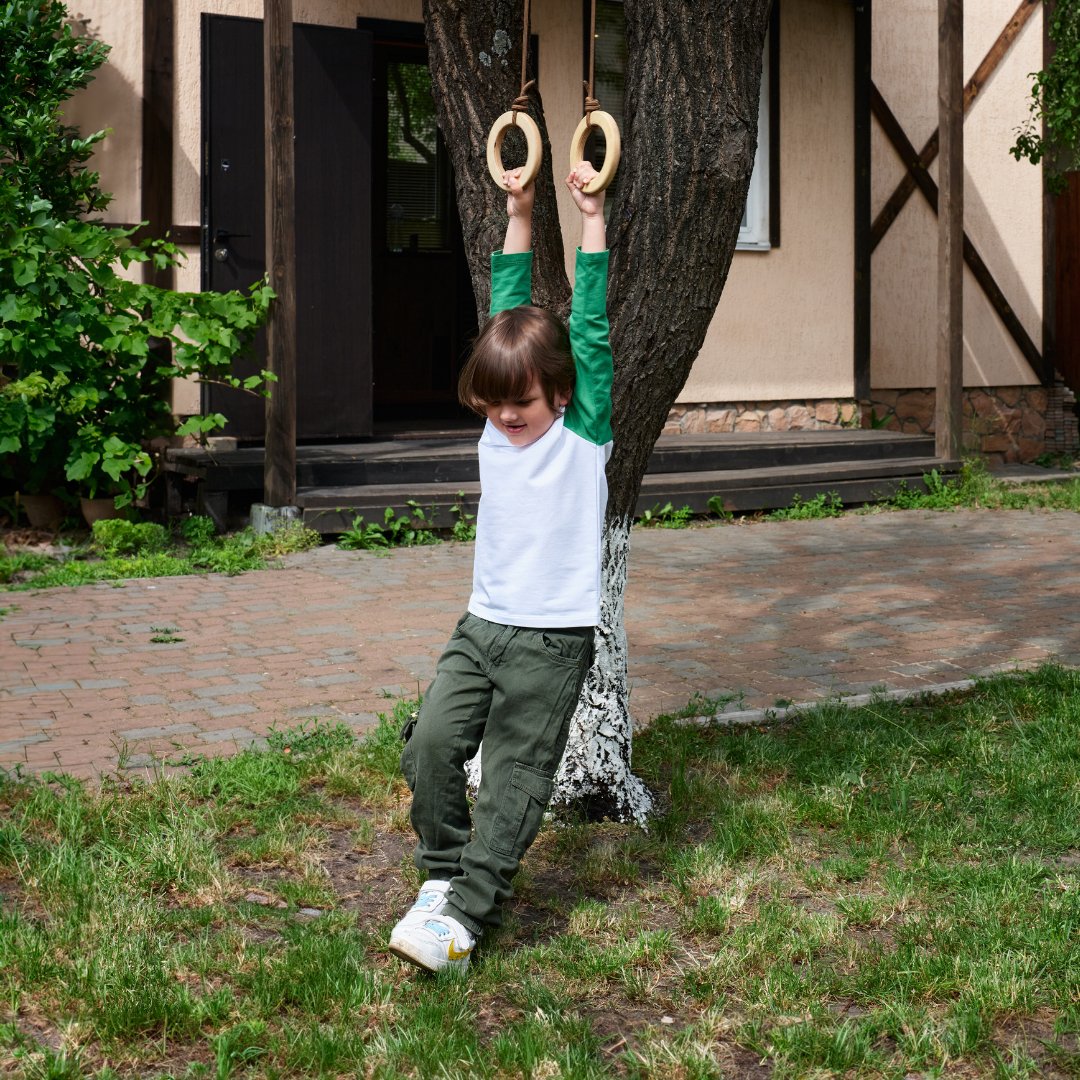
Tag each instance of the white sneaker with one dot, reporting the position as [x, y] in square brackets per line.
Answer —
[438, 942]
[429, 901]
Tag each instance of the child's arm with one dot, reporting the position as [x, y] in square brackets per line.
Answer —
[589, 411]
[519, 208]
[511, 269]
[593, 232]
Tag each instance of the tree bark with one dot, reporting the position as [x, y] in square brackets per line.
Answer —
[474, 52]
[693, 83]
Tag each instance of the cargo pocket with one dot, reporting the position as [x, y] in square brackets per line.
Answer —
[568, 647]
[521, 811]
[408, 766]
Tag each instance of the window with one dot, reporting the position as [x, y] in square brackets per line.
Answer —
[757, 232]
[754, 231]
[416, 169]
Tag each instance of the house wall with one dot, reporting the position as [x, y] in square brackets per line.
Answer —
[782, 336]
[1003, 199]
[113, 100]
[117, 92]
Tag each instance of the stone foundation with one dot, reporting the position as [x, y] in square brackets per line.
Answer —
[1003, 423]
[824, 415]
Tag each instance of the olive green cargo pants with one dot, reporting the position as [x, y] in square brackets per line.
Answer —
[515, 688]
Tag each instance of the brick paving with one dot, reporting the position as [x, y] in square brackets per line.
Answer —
[771, 612]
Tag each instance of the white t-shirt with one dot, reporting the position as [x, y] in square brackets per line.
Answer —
[540, 524]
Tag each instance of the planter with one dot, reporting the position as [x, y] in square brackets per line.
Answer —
[98, 509]
[43, 511]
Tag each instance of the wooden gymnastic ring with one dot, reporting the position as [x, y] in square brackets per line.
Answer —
[606, 123]
[533, 158]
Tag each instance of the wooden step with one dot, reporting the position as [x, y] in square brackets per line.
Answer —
[453, 460]
[333, 509]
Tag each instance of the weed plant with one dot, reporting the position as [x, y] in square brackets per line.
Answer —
[823, 505]
[666, 517]
[415, 528]
[885, 891]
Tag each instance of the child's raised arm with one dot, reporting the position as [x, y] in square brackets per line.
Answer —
[519, 207]
[593, 232]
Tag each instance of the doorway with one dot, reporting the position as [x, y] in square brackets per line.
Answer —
[423, 304]
[385, 306]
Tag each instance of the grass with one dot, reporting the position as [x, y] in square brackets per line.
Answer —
[974, 488]
[119, 550]
[882, 891]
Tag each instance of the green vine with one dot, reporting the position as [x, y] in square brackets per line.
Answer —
[1055, 101]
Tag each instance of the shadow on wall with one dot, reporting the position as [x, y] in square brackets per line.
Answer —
[994, 248]
[113, 101]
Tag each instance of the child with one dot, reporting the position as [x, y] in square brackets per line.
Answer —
[513, 669]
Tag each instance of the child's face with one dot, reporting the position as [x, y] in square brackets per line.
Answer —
[526, 420]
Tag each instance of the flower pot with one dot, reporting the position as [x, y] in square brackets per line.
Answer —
[98, 509]
[43, 511]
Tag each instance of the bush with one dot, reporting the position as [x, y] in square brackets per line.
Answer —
[197, 530]
[115, 537]
[87, 356]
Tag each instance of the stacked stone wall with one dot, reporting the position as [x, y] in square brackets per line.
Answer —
[1005, 424]
[807, 415]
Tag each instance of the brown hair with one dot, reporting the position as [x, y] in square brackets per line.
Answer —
[515, 345]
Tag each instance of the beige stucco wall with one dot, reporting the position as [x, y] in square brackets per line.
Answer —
[784, 325]
[1003, 199]
[113, 100]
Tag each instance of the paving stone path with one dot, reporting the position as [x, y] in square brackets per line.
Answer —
[773, 612]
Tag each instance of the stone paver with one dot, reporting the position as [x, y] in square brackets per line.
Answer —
[774, 612]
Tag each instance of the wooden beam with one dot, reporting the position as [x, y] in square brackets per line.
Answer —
[896, 202]
[1051, 256]
[862, 154]
[979, 270]
[279, 472]
[157, 128]
[949, 417]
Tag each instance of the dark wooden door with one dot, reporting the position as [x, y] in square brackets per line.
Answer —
[1067, 283]
[333, 78]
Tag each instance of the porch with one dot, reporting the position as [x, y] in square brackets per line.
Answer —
[748, 471]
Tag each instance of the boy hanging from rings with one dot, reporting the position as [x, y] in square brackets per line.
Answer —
[514, 666]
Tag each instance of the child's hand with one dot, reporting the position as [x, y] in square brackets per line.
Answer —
[519, 200]
[580, 175]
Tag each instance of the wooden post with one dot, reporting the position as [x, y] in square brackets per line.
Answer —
[950, 341]
[279, 469]
[157, 128]
[862, 201]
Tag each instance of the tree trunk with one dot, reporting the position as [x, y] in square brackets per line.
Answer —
[693, 82]
[474, 52]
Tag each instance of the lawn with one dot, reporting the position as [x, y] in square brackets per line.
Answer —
[885, 891]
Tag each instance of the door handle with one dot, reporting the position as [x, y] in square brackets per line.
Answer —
[221, 243]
